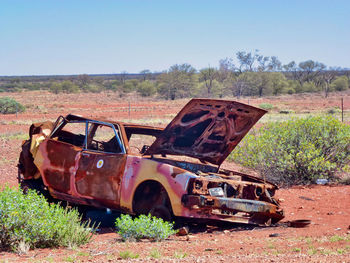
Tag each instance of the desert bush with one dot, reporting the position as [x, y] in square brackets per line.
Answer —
[146, 88]
[28, 220]
[65, 86]
[144, 226]
[266, 106]
[309, 87]
[129, 86]
[340, 83]
[297, 151]
[92, 88]
[10, 106]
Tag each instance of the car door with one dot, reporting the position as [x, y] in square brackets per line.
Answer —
[58, 156]
[101, 164]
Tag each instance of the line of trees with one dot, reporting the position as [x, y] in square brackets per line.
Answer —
[253, 75]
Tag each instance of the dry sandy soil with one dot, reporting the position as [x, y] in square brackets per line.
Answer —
[326, 239]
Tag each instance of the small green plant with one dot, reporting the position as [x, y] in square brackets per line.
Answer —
[297, 151]
[69, 258]
[49, 259]
[325, 251]
[83, 254]
[144, 226]
[10, 106]
[296, 249]
[340, 251]
[336, 238]
[271, 246]
[29, 221]
[180, 254]
[127, 254]
[308, 240]
[266, 106]
[312, 251]
[155, 253]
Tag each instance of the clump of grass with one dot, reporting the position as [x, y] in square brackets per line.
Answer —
[296, 249]
[128, 254]
[155, 253]
[312, 251]
[271, 246]
[14, 136]
[180, 254]
[336, 238]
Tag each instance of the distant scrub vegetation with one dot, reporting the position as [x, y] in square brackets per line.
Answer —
[253, 75]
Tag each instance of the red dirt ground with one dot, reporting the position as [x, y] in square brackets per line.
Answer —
[326, 239]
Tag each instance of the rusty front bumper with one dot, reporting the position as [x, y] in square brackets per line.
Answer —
[234, 209]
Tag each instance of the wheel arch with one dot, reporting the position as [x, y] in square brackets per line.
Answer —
[149, 193]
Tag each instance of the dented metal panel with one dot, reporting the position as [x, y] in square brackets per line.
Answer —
[99, 175]
[207, 129]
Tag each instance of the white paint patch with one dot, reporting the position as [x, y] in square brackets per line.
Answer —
[99, 163]
[129, 171]
[183, 179]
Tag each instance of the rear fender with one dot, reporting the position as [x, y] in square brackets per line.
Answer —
[37, 133]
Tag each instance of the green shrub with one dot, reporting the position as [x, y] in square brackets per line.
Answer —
[340, 83]
[65, 86]
[92, 88]
[266, 106]
[146, 88]
[144, 226]
[10, 106]
[297, 151]
[29, 219]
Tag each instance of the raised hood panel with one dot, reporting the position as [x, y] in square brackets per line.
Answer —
[207, 129]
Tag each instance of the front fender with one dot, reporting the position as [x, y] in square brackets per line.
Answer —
[138, 169]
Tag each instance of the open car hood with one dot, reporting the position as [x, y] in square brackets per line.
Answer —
[206, 129]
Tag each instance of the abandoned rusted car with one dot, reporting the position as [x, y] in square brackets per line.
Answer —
[92, 162]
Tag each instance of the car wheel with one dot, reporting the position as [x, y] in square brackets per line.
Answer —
[161, 211]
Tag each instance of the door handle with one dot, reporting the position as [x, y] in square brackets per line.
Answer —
[85, 154]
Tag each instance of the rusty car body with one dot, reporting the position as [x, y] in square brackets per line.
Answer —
[178, 175]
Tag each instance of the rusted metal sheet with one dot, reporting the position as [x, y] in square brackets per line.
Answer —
[207, 129]
[146, 182]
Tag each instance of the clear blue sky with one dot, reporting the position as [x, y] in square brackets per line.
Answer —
[76, 37]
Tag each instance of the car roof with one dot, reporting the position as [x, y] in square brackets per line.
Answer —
[73, 117]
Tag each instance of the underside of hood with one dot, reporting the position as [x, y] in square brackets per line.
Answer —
[207, 129]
